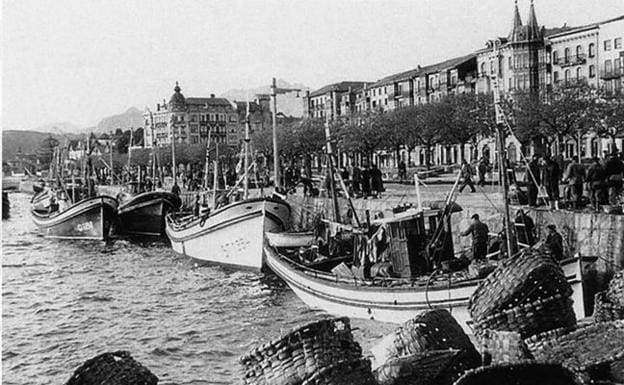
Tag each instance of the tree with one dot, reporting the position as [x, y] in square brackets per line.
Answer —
[45, 152]
[363, 133]
[431, 122]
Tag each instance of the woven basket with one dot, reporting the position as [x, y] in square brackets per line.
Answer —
[343, 373]
[300, 353]
[112, 368]
[527, 278]
[586, 348]
[532, 318]
[520, 373]
[501, 347]
[416, 369]
[536, 342]
[615, 292]
[604, 310]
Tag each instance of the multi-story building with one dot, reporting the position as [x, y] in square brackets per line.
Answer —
[574, 55]
[190, 120]
[611, 54]
[327, 102]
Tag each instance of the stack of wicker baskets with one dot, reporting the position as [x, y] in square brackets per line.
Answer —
[429, 349]
[519, 373]
[114, 368]
[609, 304]
[322, 352]
[528, 294]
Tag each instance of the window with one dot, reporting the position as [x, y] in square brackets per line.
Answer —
[492, 67]
[579, 73]
[509, 83]
[607, 66]
[566, 76]
[555, 58]
[607, 45]
[556, 77]
[566, 55]
[592, 71]
[617, 43]
[509, 63]
[617, 63]
[483, 69]
[592, 49]
[579, 51]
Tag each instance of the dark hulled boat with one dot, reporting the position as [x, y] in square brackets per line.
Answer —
[89, 218]
[144, 214]
[6, 205]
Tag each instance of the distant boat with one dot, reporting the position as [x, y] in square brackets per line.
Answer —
[89, 218]
[144, 213]
[291, 239]
[232, 235]
[6, 205]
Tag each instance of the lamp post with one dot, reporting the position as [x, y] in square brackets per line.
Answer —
[274, 92]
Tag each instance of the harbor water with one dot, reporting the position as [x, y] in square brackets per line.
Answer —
[64, 302]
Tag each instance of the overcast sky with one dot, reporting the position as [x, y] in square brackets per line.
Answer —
[80, 60]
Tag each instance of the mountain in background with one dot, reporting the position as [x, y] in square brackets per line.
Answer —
[289, 104]
[132, 118]
[58, 128]
[29, 141]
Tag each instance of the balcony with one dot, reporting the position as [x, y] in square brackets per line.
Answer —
[570, 60]
[612, 74]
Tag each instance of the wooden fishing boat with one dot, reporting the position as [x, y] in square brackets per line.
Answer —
[232, 235]
[291, 239]
[89, 218]
[6, 205]
[144, 213]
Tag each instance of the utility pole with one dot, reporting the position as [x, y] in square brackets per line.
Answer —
[274, 92]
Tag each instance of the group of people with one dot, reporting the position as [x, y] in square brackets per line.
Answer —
[525, 236]
[467, 173]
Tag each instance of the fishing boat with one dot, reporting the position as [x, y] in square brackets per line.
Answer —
[6, 205]
[144, 213]
[232, 233]
[89, 218]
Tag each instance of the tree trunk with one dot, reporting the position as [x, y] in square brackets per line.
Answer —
[427, 162]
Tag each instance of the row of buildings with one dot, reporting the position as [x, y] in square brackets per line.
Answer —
[530, 57]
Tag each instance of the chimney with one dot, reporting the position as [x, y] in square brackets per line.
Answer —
[158, 107]
[212, 96]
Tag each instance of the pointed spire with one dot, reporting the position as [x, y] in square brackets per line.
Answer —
[516, 26]
[532, 26]
[177, 88]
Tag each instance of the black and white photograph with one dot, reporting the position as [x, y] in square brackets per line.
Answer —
[327, 192]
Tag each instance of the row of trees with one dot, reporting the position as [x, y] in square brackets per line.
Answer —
[541, 119]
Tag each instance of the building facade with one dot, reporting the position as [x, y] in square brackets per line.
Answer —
[328, 103]
[189, 120]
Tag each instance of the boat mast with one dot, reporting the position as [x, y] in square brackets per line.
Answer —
[215, 178]
[246, 161]
[173, 159]
[331, 171]
[111, 159]
[502, 164]
[130, 157]
[207, 161]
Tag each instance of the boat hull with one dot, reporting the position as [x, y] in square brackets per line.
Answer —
[144, 214]
[87, 219]
[384, 304]
[232, 235]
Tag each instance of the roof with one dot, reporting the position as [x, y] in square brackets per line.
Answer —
[565, 30]
[342, 86]
[208, 101]
[450, 63]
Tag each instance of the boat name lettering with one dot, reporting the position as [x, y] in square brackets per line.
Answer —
[86, 226]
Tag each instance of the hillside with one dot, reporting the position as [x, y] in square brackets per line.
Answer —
[59, 128]
[27, 141]
[132, 118]
[289, 104]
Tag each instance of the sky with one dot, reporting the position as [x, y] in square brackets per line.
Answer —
[82, 60]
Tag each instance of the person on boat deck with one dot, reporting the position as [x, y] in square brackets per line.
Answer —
[533, 179]
[176, 189]
[554, 243]
[595, 182]
[525, 229]
[196, 206]
[479, 231]
[466, 176]
[54, 206]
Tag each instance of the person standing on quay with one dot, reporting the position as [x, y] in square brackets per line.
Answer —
[482, 168]
[596, 183]
[614, 170]
[479, 231]
[356, 179]
[402, 171]
[575, 176]
[466, 176]
[366, 185]
[376, 181]
[532, 178]
[552, 175]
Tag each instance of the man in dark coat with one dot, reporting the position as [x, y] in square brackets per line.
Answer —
[596, 183]
[614, 170]
[356, 179]
[376, 181]
[366, 185]
[552, 175]
[479, 231]
[482, 168]
[532, 178]
[575, 176]
[466, 176]
[554, 243]
[402, 170]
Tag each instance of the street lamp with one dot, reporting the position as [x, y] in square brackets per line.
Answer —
[274, 92]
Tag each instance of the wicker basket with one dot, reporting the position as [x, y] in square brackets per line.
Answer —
[536, 342]
[343, 373]
[586, 349]
[615, 292]
[520, 373]
[501, 347]
[112, 368]
[416, 369]
[605, 310]
[300, 353]
[532, 318]
[527, 278]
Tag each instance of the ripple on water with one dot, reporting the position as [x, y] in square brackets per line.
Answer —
[65, 302]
